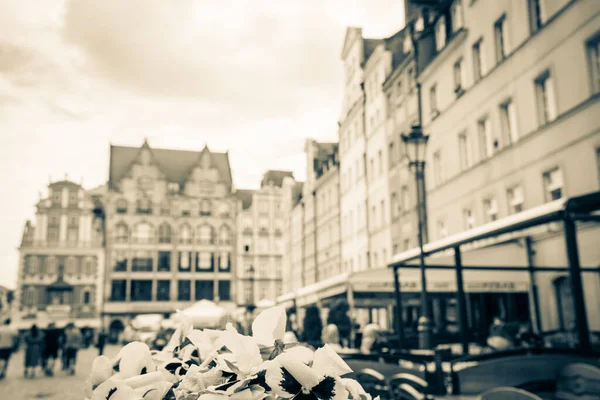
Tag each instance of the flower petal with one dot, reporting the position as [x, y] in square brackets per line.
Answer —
[135, 359]
[328, 362]
[330, 389]
[101, 370]
[355, 389]
[269, 326]
[245, 350]
[305, 375]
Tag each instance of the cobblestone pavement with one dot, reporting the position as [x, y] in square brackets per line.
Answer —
[60, 386]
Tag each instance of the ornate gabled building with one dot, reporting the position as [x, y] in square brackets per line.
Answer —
[260, 223]
[61, 261]
[170, 222]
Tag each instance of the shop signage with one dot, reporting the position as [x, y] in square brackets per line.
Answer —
[496, 287]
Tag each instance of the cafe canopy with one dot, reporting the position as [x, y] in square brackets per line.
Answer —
[511, 229]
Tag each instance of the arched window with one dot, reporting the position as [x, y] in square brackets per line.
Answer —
[122, 233]
[143, 233]
[205, 208]
[185, 234]
[71, 266]
[144, 205]
[51, 266]
[224, 235]
[31, 265]
[564, 303]
[206, 234]
[164, 233]
[86, 297]
[89, 267]
[121, 206]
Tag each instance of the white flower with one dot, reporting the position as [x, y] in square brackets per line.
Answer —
[115, 390]
[269, 326]
[134, 359]
[102, 369]
[246, 352]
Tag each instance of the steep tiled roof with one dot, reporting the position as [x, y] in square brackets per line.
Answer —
[395, 44]
[369, 46]
[245, 196]
[276, 176]
[175, 164]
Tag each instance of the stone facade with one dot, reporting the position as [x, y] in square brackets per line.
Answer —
[61, 260]
[260, 227]
[170, 225]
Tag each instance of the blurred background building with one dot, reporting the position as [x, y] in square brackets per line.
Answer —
[61, 260]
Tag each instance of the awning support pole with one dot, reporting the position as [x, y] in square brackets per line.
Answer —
[460, 300]
[576, 283]
[399, 318]
[533, 288]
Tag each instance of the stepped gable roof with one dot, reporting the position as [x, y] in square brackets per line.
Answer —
[245, 196]
[276, 176]
[174, 164]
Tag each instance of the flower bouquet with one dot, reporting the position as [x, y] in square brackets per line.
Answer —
[216, 365]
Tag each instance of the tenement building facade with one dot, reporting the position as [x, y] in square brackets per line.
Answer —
[313, 235]
[260, 227]
[61, 261]
[510, 102]
[170, 223]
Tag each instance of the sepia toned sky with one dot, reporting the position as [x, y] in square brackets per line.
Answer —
[255, 77]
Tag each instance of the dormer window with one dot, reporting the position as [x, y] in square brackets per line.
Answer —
[457, 16]
[145, 184]
[173, 188]
[440, 34]
[407, 44]
[420, 24]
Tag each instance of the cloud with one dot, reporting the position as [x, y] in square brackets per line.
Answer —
[258, 55]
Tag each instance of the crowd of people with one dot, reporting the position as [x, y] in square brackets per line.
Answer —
[44, 347]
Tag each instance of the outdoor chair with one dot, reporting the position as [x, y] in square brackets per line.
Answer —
[508, 393]
[578, 381]
[406, 386]
[373, 382]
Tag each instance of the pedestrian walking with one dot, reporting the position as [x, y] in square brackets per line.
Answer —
[51, 346]
[101, 342]
[34, 345]
[73, 342]
[8, 343]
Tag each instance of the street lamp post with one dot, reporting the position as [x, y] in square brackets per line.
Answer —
[416, 143]
[250, 307]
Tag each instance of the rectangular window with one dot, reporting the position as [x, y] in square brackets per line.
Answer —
[382, 212]
[440, 34]
[141, 290]
[464, 148]
[380, 161]
[248, 293]
[204, 261]
[553, 183]
[184, 290]
[490, 207]
[546, 101]
[442, 229]
[224, 262]
[406, 244]
[433, 108]
[164, 261]
[391, 156]
[459, 77]
[395, 205]
[225, 290]
[163, 290]
[537, 14]
[469, 218]
[593, 50]
[437, 168]
[185, 261]
[205, 290]
[478, 60]
[119, 261]
[118, 291]
[142, 261]
[486, 145]
[405, 198]
[501, 39]
[508, 119]
[515, 199]
[372, 169]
